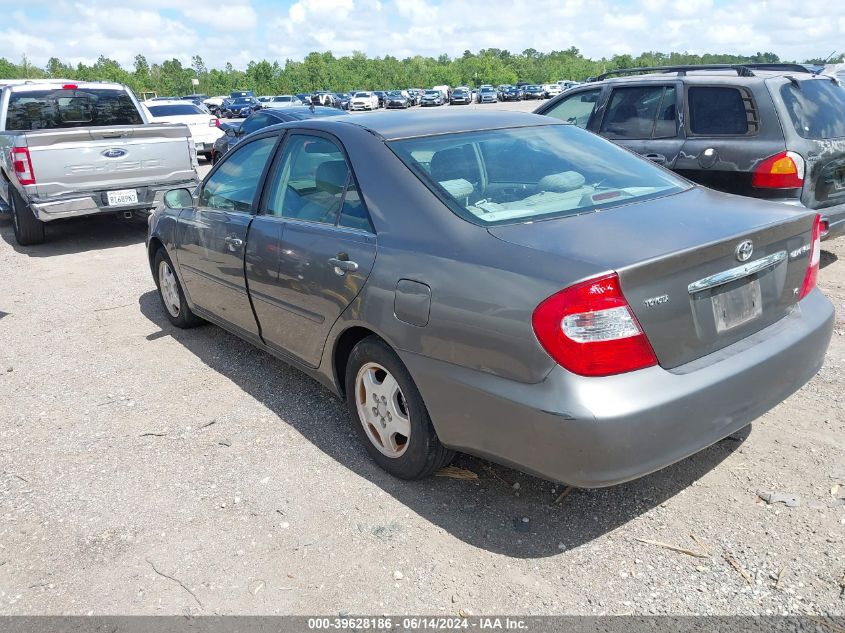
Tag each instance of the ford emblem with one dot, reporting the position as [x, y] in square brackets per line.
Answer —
[744, 250]
[114, 153]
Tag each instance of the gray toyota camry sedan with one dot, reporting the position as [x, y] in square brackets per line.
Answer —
[501, 284]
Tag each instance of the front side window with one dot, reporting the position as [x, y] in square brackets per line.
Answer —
[816, 107]
[64, 108]
[562, 171]
[233, 185]
[640, 112]
[313, 182]
[576, 109]
[717, 110]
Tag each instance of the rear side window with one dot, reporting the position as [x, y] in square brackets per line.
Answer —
[576, 109]
[816, 107]
[720, 110]
[174, 110]
[641, 112]
[60, 108]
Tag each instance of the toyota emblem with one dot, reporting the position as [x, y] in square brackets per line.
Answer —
[744, 250]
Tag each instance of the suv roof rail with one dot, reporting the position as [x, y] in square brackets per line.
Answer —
[743, 70]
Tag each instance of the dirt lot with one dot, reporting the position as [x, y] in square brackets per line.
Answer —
[147, 470]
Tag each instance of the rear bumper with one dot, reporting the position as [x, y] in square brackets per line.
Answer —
[594, 432]
[95, 202]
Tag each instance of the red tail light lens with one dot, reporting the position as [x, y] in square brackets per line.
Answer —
[590, 330]
[215, 122]
[781, 171]
[22, 164]
[815, 257]
[70, 87]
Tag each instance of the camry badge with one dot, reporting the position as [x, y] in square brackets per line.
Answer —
[744, 250]
[114, 153]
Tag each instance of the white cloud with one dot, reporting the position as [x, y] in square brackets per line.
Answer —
[243, 30]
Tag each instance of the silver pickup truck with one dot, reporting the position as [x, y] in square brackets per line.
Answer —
[69, 149]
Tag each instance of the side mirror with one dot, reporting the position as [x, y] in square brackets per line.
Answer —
[178, 199]
[232, 132]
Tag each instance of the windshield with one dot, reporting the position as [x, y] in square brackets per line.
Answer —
[816, 107]
[361, 94]
[394, 93]
[52, 109]
[173, 110]
[281, 99]
[488, 90]
[521, 174]
[242, 102]
[431, 93]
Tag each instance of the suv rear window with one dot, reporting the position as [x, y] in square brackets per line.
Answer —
[816, 107]
[718, 110]
[174, 110]
[60, 108]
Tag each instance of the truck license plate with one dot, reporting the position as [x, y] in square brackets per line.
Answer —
[122, 197]
[736, 305]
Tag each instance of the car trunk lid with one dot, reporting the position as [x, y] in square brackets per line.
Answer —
[680, 266]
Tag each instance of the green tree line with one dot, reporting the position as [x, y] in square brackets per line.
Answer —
[324, 71]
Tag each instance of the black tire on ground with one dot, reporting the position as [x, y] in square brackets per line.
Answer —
[184, 318]
[209, 156]
[28, 229]
[424, 454]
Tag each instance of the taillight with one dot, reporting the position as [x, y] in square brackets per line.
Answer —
[22, 165]
[815, 257]
[781, 171]
[215, 122]
[70, 87]
[590, 330]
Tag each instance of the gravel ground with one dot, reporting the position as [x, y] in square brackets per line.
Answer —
[147, 470]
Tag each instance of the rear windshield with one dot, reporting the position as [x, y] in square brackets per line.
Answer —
[522, 174]
[816, 107]
[59, 108]
[174, 110]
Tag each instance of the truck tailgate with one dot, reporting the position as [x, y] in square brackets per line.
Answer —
[67, 161]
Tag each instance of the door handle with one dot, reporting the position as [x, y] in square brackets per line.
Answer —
[342, 265]
[234, 243]
[660, 159]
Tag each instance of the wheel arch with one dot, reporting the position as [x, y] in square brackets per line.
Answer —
[343, 346]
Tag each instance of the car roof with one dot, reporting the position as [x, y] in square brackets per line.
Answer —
[168, 102]
[704, 75]
[398, 125]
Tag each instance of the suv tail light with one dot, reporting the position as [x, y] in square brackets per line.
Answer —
[590, 330]
[781, 171]
[815, 257]
[22, 165]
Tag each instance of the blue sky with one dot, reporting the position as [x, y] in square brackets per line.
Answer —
[238, 31]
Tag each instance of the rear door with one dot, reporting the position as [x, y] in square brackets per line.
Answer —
[729, 130]
[311, 248]
[644, 118]
[211, 236]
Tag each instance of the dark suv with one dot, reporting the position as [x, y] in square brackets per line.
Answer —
[774, 131]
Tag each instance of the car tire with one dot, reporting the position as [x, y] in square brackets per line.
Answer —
[171, 294]
[28, 229]
[401, 407]
[209, 156]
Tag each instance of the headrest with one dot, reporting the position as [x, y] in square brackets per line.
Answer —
[331, 176]
[562, 181]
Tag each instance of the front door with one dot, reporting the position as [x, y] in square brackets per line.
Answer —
[311, 247]
[212, 235]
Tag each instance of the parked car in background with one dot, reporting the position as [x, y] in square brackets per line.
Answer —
[264, 100]
[284, 101]
[214, 105]
[204, 127]
[363, 101]
[444, 90]
[397, 99]
[511, 93]
[237, 94]
[461, 96]
[551, 90]
[500, 89]
[765, 131]
[432, 98]
[381, 97]
[533, 91]
[304, 97]
[233, 134]
[343, 99]
[240, 107]
[72, 149]
[503, 298]
[487, 94]
[415, 94]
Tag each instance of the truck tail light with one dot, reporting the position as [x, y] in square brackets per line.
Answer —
[815, 256]
[590, 330]
[781, 171]
[22, 165]
[215, 122]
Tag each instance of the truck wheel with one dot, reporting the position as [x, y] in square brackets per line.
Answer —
[171, 294]
[389, 415]
[28, 229]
